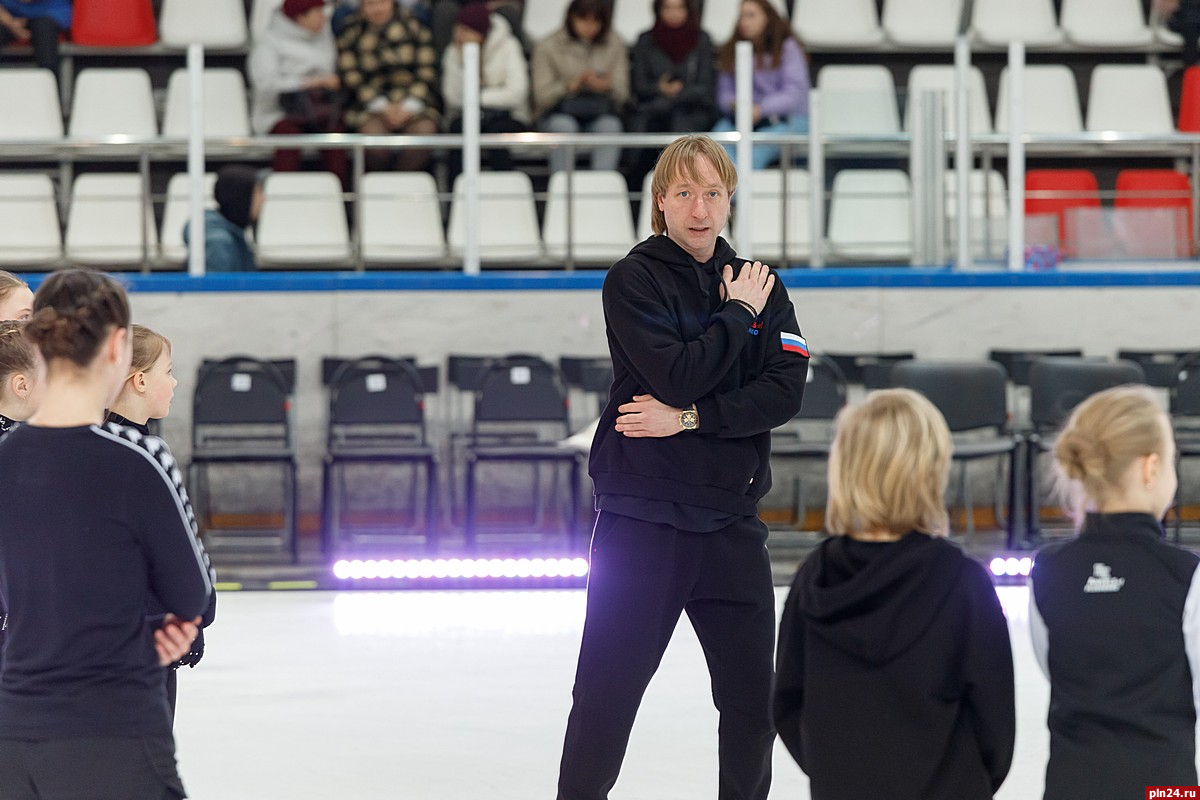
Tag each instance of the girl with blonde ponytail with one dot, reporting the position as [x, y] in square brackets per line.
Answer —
[1115, 611]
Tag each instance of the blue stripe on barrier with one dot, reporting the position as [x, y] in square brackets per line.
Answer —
[591, 280]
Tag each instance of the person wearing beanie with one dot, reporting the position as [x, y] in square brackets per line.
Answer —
[295, 85]
[239, 195]
[504, 81]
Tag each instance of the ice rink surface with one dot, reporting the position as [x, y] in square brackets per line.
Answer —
[418, 695]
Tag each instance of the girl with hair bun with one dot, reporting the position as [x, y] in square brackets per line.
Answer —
[93, 528]
[20, 389]
[891, 635]
[1115, 611]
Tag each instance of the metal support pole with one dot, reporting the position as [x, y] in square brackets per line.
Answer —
[816, 181]
[962, 151]
[195, 67]
[928, 162]
[1195, 220]
[1016, 156]
[744, 106]
[471, 157]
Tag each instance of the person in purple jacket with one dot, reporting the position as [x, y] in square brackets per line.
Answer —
[40, 22]
[780, 78]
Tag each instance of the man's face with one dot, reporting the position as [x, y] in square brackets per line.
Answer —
[695, 210]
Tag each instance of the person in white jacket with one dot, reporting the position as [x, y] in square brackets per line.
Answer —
[295, 85]
[504, 81]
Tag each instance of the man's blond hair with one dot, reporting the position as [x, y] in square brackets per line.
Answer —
[889, 466]
[679, 160]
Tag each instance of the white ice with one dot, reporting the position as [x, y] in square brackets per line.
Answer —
[425, 695]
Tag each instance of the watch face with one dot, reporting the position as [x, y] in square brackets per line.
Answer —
[688, 420]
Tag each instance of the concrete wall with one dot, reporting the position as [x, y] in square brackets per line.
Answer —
[934, 323]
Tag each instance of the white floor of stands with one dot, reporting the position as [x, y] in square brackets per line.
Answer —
[459, 696]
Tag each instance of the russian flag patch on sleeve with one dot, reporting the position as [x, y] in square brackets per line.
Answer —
[793, 343]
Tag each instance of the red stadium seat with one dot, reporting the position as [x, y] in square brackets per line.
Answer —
[1189, 101]
[1054, 191]
[114, 23]
[1158, 188]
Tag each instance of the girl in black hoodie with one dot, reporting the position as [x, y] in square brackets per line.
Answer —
[892, 635]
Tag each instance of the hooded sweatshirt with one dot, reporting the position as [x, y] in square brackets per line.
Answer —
[672, 336]
[283, 56]
[895, 673]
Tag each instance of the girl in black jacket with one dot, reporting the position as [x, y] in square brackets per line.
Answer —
[146, 394]
[1114, 611]
[895, 673]
[92, 527]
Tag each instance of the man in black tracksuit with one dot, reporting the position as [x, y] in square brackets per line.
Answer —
[707, 359]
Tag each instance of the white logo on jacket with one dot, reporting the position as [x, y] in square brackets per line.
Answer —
[1102, 580]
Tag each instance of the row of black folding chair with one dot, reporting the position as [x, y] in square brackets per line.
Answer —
[241, 417]
[972, 396]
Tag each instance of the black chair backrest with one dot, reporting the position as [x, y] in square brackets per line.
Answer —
[242, 398]
[1017, 362]
[430, 375]
[824, 392]
[1057, 385]
[872, 370]
[970, 394]
[521, 389]
[1185, 392]
[376, 391]
[1160, 366]
[464, 372]
[241, 389]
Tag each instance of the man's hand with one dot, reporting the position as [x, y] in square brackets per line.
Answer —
[752, 285]
[174, 639]
[646, 417]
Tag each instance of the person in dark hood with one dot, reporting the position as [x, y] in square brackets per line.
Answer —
[707, 359]
[895, 671]
[239, 196]
[1115, 611]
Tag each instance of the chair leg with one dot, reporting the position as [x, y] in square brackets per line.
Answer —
[1011, 516]
[431, 487]
[291, 523]
[469, 521]
[573, 519]
[1033, 505]
[328, 534]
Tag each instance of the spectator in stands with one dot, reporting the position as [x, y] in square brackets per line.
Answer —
[293, 69]
[20, 389]
[581, 80]
[504, 81]
[389, 68]
[890, 633]
[1114, 611]
[16, 300]
[445, 17]
[39, 22]
[674, 79]
[781, 81]
[1183, 17]
[239, 196]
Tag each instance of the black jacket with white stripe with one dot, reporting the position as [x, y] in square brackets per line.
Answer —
[92, 525]
[1116, 627]
[139, 434]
